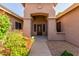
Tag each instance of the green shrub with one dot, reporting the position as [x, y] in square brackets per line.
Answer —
[66, 53]
[17, 44]
[4, 25]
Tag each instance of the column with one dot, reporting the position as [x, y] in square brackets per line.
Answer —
[51, 29]
[27, 27]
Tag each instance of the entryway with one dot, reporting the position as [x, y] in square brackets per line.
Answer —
[39, 25]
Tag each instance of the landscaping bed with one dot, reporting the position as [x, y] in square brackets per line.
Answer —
[62, 48]
[13, 43]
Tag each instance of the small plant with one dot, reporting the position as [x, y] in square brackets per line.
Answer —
[66, 53]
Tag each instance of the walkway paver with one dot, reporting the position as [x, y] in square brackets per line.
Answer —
[40, 47]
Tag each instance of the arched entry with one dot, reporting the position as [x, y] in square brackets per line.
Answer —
[39, 24]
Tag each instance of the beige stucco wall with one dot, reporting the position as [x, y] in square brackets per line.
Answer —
[39, 8]
[71, 26]
[27, 27]
[52, 33]
[51, 29]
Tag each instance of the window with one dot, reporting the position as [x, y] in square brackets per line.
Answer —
[34, 27]
[43, 27]
[58, 27]
[18, 25]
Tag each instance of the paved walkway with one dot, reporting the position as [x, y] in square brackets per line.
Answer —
[40, 47]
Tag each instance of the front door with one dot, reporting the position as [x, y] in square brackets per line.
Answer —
[39, 29]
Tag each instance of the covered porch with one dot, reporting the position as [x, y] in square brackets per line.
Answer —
[39, 24]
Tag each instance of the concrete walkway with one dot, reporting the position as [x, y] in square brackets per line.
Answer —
[40, 47]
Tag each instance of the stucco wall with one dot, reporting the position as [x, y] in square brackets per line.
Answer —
[71, 26]
[52, 33]
[51, 29]
[39, 8]
[27, 27]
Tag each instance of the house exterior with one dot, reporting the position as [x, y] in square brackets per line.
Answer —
[16, 21]
[39, 19]
[69, 24]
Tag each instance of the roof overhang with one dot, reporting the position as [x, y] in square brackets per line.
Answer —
[10, 12]
[67, 10]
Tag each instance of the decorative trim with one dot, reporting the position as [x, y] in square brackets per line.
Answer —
[39, 6]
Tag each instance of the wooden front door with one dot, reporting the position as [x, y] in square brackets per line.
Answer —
[39, 29]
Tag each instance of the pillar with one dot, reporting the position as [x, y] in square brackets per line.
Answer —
[51, 29]
[27, 27]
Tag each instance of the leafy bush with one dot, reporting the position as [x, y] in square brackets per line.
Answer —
[16, 42]
[13, 43]
[66, 53]
[4, 25]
